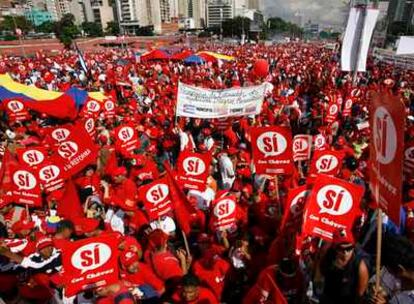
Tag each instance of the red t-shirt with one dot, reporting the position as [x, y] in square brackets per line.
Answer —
[214, 277]
[205, 296]
[127, 190]
[145, 275]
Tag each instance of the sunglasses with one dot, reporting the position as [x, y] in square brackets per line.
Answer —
[345, 249]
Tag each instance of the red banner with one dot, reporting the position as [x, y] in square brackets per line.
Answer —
[26, 187]
[16, 110]
[76, 152]
[89, 125]
[333, 204]
[224, 213]
[156, 198]
[386, 153]
[32, 157]
[60, 134]
[294, 207]
[90, 263]
[302, 147]
[193, 169]
[126, 139]
[409, 157]
[51, 176]
[326, 162]
[91, 108]
[272, 150]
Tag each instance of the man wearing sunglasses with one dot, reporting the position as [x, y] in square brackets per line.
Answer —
[345, 271]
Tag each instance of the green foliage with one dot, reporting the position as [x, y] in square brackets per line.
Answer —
[8, 24]
[112, 28]
[234, 27]
[46, 27]
[66, 30]
[92, 29]
[276, 25]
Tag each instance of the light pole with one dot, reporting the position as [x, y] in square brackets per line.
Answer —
[18, 32]
[221, 23]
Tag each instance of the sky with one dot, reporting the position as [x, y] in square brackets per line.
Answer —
[319, 11]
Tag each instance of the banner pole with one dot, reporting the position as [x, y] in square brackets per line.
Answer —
[379, 243]
[187, 248]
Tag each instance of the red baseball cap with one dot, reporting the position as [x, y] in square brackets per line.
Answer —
[44, 242]
[119, 171]
[128, 258]
[341, 236]
[21, 225]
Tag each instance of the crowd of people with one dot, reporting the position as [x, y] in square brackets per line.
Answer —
[253, 260]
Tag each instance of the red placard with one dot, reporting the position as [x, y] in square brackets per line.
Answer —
[90, 263]
[272, 150]
[156, 198]
[76, 152]
[193, 169]
[302, 147]
[224, 213]
[332, 113]
[409, 156]
[294, 208]
[126, 139]
[91, 108]
[326, 162]
[347, 107]
[109, 109]
[89, 125]
[16, 110]
[333, 204]
[32, 156]
[26, 187]
[319, 142]
[386, 152]
[51, 176]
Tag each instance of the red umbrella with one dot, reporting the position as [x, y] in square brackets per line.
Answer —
[155, 55]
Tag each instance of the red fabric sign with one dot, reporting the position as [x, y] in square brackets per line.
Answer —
[409, 156]
[91, 108]
[90, 263]
[193, 170]
[51, 176]
[32, 156]
[333, 204]
[224, 213]
[319, 142]
[332, 113]
[89, 125]
[272, 150]
[16, 110]
[126, 139]
[156, 197]
[386, 152]
[327, 162]
[26, 187]
[109, 109]
[59, 134]
[294, 207]
[76, 152]
[302, 147]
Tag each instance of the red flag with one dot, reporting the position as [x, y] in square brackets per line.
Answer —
[224, 215]
[16, 110]
[32, 156]
[91, 108]
[26, 187]
[333, 204]
[347, 108]
[156, 198]
[70, 206]
[90, 263]
[332, 114]
[109, 109]
[63, 107]
[272, 150]
[126, 139]
[386, 153]
[294, 208]
[51, 176]
[181, 206]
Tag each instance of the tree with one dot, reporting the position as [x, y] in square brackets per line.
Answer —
[234, 27]
[112, 28]
[10, 23]
[46, 27]
[92, 29]
[324, 35]
[66, 30]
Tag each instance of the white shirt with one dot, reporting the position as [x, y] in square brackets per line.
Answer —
[166, 224]
[226, 169]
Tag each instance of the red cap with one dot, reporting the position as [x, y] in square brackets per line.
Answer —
[232, 151]
[44, 242]
[157, 238]
[119, 171]
[21, 225]
[341, 236]
[128, 258]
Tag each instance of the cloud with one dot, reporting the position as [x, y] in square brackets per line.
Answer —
[320, 11]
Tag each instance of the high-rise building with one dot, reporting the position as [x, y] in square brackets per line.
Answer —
[99, 11]
[219, 11]
[256, 5]
[192, 12]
